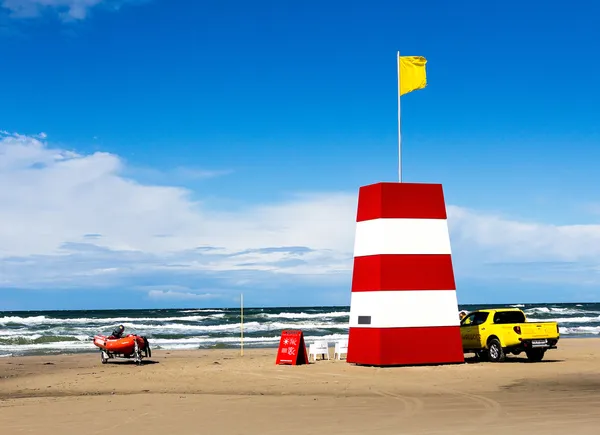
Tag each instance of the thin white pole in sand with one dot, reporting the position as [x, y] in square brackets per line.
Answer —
[242, 324]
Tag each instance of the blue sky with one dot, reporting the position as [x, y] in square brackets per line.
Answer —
[249, 128]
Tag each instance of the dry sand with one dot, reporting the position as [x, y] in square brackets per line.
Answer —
[219, 392]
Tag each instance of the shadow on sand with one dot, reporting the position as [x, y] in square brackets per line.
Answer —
[123, 361]
[511, 359]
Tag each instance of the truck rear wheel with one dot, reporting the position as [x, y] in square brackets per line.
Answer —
[535, 355]
[495, 351]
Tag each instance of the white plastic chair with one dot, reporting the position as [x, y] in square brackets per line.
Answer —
[341, 346]
[318, 348]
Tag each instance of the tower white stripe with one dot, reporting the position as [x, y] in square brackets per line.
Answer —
[402, 236]
[400, 309]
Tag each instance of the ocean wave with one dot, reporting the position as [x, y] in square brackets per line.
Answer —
[580, 330]
[14, 332]
[41, 339]
[234, 327]
[173, 328]
[568, 320]
[202, 311]
[43, 320]
[19, 336]
[558, 310]
[163, 344]
[56, 346]
[303, 315]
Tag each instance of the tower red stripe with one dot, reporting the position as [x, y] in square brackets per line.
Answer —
[403, 346]
[403, 272]
[401, 200]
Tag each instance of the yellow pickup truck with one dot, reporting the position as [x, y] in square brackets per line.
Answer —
[491, 334]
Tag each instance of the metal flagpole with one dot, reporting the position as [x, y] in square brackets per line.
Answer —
[399, 129]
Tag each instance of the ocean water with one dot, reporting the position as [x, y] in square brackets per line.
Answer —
[56, 332]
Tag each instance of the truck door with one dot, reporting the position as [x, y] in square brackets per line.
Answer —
[470, 330]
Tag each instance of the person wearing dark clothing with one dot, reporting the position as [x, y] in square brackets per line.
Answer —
[118, 333]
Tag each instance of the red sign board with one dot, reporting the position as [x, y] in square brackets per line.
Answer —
[292, 349]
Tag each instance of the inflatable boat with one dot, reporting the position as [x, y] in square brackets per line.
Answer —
[130, 346]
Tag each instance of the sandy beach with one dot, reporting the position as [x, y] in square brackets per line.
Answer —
[218, 391]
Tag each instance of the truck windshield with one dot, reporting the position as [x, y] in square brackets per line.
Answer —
[504, 317]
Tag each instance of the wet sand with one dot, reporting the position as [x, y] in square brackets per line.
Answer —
[218, 391]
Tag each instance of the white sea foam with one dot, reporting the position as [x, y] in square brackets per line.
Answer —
[202, 311]
[58, 345]
[86, 332]
[17, 333]
[568, 319]
[305, 315]
[43, 320]
[558, 310]
[538, 310]
[166, 344]
[580, 330]
[176, 328]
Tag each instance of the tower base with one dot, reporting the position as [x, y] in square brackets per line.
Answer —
[405, 346]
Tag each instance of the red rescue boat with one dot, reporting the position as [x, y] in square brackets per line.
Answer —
[130, 346]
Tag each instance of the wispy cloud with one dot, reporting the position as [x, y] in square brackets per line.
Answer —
[198, 174]
[176, 175]
[592, 208]
[180, 296]
[67, 10]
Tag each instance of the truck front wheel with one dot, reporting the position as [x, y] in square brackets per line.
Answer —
[495, 351]
[535, 355]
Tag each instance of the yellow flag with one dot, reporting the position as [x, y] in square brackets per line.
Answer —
[412, 74]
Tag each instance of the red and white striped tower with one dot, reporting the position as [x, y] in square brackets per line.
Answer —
[403, 307]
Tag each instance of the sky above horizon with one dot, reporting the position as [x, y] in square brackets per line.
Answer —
[177, 154]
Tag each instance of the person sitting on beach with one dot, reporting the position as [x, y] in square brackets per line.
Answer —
[118, 333]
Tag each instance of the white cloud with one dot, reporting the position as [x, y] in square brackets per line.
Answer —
[498, 249]
[505, 240]
[68, 10]
[69, 218]
[74, 220]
